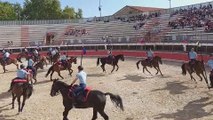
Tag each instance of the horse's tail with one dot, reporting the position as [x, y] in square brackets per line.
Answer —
[183, 69]
[49, 70]
[116, 99]
[138, 64]
[98, 61]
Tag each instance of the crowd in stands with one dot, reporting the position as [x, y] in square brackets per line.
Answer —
[76, 32]
[193, 17]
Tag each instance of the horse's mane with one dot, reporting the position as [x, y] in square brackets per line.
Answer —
[61, 83]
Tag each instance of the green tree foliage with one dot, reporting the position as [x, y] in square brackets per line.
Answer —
[68, 13]
[37, 10]
[7, 11]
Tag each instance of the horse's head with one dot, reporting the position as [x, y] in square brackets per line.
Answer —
[121, 56]
[73, 59]
[55, 87]
[158, 59]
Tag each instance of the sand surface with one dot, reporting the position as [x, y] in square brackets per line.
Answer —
[145, 97]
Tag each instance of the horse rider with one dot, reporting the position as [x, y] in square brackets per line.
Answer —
[21, 74]
[81, 76]
[36, 54]
[6, 56]
[25, 50]
[150, 56]
[210, 64]
[110, 56]
[192, 58]
[30, 65]
[53, 52]
[64, 59]
[50, 50]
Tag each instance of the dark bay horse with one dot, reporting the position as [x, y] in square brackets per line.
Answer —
[21, 89]
[154, 62]
[105, 60]
[57, 66]
[22, 55]
[198, 68]
[96, 99]
[9, 61]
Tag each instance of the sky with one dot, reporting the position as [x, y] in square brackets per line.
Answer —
[109, 7]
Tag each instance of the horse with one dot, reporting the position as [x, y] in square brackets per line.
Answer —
[154, 62]
[8, 62]
[21, 88]
[95, 99]
[58, 67]
[198, 68]
[113, 62]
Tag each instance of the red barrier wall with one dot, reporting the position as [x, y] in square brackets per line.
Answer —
[164, 55]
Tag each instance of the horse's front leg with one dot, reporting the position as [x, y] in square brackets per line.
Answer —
[117, 67]
[19, 103]
[113, 68]
[156, 69]
[59, 74]
[51, 75]
[148, 71]
[4, 68]
[65, 113]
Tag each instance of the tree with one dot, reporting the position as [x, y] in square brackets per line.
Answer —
[79, 14]
[18, 11]
[7, 11]
[42, 9]
[68, 13]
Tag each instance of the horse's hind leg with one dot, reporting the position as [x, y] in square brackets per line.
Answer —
[23, 102]
[95, 114]
[103, 114]
[147, 70]
[19, 103]
[198, 74]
[103, 68]
[13, 99]
[65, 113]
[156, 69]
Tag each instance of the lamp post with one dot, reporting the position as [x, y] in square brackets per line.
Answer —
[170, 4]
[99, 7]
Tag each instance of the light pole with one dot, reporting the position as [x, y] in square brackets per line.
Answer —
[170, 4]
[99, 7]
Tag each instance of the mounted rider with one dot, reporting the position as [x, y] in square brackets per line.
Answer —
[25, 50]
[30, 65]
[110, 56]
[36, 54]
[210, 64]
[150, 56]
[81, 76]
[64, 59]
[192, 58]
[21, 74]
[6, 56]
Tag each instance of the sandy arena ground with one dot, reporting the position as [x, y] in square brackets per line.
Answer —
[145, 97]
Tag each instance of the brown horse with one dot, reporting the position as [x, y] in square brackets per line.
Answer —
[57, 66]
[9, 61]
[21, 89]
[113, 62]
[96, 100]
[154, 62]
[198, 68]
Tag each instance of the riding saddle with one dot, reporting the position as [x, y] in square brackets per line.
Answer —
[81, 97]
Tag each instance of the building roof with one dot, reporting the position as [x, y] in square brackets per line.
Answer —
[135, 9]
[145, 9]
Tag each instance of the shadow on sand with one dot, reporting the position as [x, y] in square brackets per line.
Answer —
[193, 110]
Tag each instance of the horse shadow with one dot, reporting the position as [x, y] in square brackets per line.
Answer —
[4, 95]
[5, 117]
[133, 78]
[2, 108]
[95, 75]
[174, 88]
[42, 82]
[193, 110]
